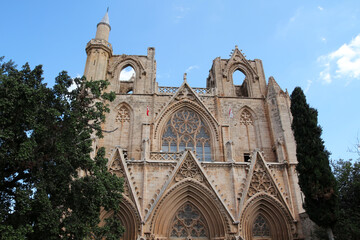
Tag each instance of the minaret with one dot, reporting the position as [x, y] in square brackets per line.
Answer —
[98, 51]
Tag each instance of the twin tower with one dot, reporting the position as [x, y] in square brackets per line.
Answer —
[199, 163]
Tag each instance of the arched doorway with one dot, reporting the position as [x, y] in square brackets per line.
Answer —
[265, 218]
[185, 207]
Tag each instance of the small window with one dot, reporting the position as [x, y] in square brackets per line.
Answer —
[246, 157]
[127, 74]
[238, 77]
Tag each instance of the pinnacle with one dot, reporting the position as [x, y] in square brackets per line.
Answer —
[105, 19]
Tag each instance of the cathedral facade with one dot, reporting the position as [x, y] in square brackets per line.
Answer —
[199, 163]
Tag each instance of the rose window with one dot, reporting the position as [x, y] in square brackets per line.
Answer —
[185, 129]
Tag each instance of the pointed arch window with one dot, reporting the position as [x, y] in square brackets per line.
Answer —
[261, 227]
[127, 74]
[240, 82]
[248, 133]
[185, 129]
[188, 223]
[122, 122]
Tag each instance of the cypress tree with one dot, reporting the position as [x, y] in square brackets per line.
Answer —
[316, 180]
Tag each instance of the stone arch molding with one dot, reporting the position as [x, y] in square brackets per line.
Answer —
[208, 119]
[280, 222]
[122, 61]
[125, 105]
[250, 110]
[128, 217]
[239, 62]
[242, 68]
[195, 193]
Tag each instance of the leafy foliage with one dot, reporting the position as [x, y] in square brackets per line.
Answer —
[315, 177]
[50, 186]
[347, 174]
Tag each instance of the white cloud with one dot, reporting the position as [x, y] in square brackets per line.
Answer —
[180, 13]
[73, 85]
[126, 74]
[191, 68]
[308, 85]
[344, 63]
[320, 8]
[323, 39]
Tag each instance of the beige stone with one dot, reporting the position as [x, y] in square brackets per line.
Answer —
[204, 163]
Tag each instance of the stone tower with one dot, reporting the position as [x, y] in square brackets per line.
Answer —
[199, 163]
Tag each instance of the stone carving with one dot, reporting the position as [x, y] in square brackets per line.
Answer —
[185, 129]
[245, 118]
[261, 181]
[117, 169]
[185, 93]
[165, 156]
[122, 115]
[188, 223]
[189, 169]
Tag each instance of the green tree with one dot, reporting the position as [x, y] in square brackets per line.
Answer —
[347, 174]
[316, 180]
[50, 186]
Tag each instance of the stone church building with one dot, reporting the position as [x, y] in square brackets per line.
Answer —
[199, 163]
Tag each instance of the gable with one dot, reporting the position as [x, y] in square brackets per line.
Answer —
[187, 169]
[185, 97]
[260, 181]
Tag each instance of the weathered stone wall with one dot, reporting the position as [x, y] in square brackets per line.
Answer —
[251, 174]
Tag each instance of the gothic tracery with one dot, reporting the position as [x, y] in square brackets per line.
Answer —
[245, 118]
[189, 169]
[261, 227]
[261, 181]
[188, 223]
[185, 129]
[122, 115]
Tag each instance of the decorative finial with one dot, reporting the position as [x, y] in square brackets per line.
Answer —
[236, 46]
[185, 75]
[107, 10]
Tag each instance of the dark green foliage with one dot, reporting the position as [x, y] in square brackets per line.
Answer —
[315, 177]
[50, 186]
[347, 174]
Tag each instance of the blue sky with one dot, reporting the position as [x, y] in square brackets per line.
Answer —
[313, 44]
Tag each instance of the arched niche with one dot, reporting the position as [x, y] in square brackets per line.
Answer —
[122, 122]
[189, 192]
[277, 218]
[249, 133]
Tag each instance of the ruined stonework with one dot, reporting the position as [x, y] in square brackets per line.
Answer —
[199, 163]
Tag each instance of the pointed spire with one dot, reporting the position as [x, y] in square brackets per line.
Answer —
[105, 19]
